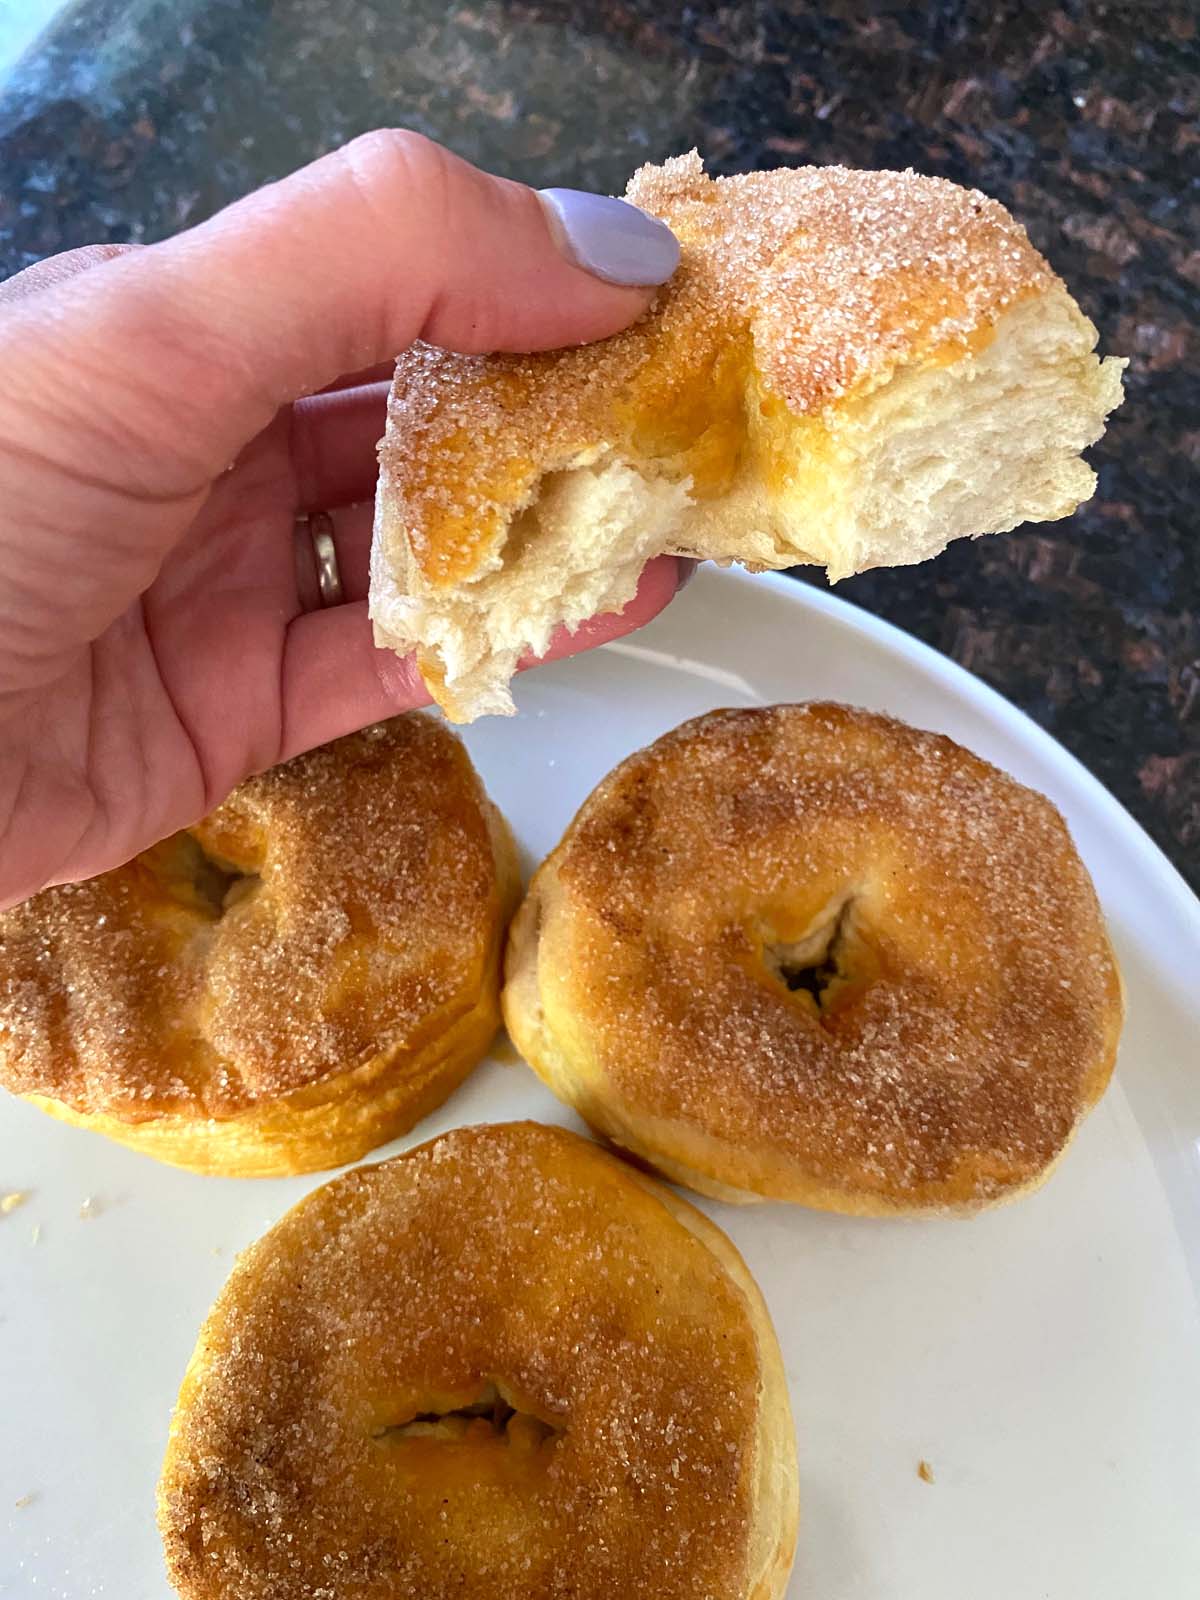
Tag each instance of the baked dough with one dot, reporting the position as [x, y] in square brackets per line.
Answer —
[301, 976]
[503, 1365]
[808, 953]
[849, 369]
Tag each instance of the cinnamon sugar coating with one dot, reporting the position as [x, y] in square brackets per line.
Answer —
[819, 281]
[808, 952]
[341, 910]
[329, 1443]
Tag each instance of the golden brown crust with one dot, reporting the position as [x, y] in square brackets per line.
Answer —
[314, 1450]
[807, 286]
[970, 1003]
[298, 977]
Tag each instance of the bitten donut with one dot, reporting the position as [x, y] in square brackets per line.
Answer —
[848, 368]
[804, 952]
[502, 1365]
[281, 988]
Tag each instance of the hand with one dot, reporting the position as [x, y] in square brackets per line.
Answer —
[158, 640]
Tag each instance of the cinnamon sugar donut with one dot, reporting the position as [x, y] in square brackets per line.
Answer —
[503, 1364]
[281, 988]
[807, 953]
[848, 368]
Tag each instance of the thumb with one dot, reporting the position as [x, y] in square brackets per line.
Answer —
[199, 340]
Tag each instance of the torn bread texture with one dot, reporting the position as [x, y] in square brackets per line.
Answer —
[850, 369]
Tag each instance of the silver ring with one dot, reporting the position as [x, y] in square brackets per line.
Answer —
[319, 527]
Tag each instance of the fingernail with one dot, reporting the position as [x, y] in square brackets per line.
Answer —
[610, 238]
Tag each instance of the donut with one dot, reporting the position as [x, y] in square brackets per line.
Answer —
[302, 975]
[808, 953]
[849, 369]
[503, 1364]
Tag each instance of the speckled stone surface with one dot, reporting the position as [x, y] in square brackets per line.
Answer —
[127, 121]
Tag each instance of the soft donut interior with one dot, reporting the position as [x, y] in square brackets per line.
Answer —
[954, 446]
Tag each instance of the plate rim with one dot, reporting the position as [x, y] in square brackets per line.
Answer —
[929, 659]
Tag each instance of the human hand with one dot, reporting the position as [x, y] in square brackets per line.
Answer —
[165, 415]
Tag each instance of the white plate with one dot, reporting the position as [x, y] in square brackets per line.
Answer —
[1044, 1358]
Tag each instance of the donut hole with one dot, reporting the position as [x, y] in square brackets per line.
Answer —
[828, 966]
[491, 1417]
[814, 981]
[217, 883]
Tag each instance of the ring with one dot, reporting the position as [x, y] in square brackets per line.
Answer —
[319, 529]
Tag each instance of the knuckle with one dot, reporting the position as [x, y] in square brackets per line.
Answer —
[398, 174]
[396, 157]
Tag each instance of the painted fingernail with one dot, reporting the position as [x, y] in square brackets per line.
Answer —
[610, 238]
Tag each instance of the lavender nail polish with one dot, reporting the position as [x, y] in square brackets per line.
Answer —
[610, 238]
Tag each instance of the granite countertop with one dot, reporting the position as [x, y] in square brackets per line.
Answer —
[130, 120]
